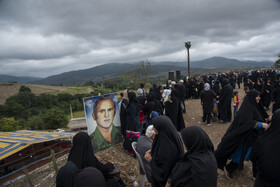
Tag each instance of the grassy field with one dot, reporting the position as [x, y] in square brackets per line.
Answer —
[7, 90]
[77, 90]
[78, 114]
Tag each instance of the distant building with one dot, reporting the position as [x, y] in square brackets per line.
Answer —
[78, 123]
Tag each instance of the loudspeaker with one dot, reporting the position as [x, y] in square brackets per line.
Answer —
[178, 74]
[171, 76]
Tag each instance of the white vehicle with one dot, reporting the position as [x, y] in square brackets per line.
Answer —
[59, 130]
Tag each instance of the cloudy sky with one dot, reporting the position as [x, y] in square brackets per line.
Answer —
[47, 37]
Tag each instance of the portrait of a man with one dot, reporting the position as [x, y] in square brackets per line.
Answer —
[102, 112]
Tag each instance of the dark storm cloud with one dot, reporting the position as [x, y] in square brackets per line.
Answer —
[49, 37]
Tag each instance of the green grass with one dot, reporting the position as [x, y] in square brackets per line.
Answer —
[78, 114]
[78, 90]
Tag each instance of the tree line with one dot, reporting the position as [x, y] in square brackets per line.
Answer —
[25, 110]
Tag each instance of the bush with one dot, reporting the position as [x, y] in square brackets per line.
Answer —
[8, 125]
[55, 118]
[24, 89]
[13, 109]
[64, 97]
[46, 100]
[35, 123]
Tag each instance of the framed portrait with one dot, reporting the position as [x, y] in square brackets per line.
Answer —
[103, 120]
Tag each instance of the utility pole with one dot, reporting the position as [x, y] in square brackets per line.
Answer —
[188, 46]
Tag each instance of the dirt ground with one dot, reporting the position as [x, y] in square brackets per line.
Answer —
[129, 165]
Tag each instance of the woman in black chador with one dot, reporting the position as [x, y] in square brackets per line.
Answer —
[81, 156]
[198, 168]
[132, 113]
[266, 153]
[275, 97]
[167, 148]
[174, 111]
[242, 133]
[207, 97]
[90, 177]
[225, 101]
[123, 107]
[266, 94]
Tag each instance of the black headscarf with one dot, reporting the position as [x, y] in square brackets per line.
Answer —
[90, 177]
[266, 154]
[167, 148]
[132, 113]
[172, 108]
[132, 98]
[199, 164]
[82, 154]
[242, 129]
[175, 93]
[66, 176]
[225, 82]
[196, 140]
[148, 108]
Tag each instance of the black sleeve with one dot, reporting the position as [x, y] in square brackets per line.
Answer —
[273, 95]
[214, 95]
[201, 96]
[104, 168]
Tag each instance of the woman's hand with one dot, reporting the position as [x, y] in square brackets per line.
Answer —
[269, 118]
[148, 156]
[167, 184]
[265, 126]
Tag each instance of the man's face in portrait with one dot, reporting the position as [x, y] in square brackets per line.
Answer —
[105, 114]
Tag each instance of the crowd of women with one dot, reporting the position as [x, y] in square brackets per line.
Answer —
[252, 134]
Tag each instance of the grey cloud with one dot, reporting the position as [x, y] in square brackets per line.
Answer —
[80, 34]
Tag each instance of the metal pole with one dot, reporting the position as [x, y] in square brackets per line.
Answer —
[189, 70]
[188, 46]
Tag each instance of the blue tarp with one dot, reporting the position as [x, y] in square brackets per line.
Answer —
[12, 142]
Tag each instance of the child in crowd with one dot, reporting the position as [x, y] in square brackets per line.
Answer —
[235, 102]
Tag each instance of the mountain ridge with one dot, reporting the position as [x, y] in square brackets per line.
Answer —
[23, 79]
[114, 70]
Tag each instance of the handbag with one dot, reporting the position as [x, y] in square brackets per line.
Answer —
[215, 108]
[182, 106]
[130, 137]
[115, 173]
[114, 178]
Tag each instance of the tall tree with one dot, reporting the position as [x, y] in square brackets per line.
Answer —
[24, 89]
[55, 118]
[277, 63]
[140, 75]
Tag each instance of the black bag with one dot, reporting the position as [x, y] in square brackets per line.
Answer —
[128, 140]
[144, 125]
[115, 173]
[182, 105]
[114, 179]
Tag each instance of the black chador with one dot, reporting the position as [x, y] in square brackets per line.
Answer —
[266, 153]
[198, 168]
[225, 101]
[167, 148]
[242, 130]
